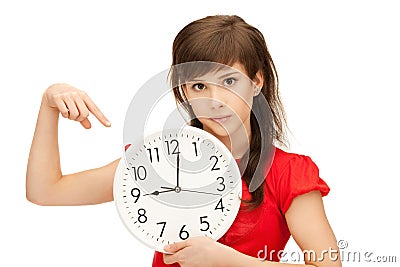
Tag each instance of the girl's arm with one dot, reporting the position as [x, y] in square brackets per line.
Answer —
[307, 223]
[45, 183]
[311, 230]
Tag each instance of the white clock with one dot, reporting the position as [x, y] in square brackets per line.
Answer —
[176, 184]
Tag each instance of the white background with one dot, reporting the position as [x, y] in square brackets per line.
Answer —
[338, 64]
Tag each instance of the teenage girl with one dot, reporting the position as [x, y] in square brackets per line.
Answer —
[289, 201]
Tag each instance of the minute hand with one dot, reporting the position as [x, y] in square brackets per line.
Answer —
[193, 191]
[177, 171]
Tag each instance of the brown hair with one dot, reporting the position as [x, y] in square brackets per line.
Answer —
[228, 39]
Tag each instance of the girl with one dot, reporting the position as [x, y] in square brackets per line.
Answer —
[289, 201]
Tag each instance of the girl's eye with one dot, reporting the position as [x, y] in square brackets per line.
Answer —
[229, 81]
[199, 86]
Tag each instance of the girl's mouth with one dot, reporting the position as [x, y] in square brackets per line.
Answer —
[221, 119]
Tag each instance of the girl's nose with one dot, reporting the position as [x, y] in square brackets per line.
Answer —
[217, 95]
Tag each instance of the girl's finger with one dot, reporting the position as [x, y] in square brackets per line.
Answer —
[61, 107]
[96, 111]
[82, 109]
[73, 111]
[86, 123]
[171, 258]
[174, 247]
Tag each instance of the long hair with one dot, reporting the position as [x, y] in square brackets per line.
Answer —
[229, 39]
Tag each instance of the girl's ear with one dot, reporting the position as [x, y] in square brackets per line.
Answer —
[258, 82]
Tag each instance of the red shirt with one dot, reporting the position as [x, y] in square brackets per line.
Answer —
[290, 175]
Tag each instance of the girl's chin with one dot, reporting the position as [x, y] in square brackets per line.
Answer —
[216, 130]
[228, 131]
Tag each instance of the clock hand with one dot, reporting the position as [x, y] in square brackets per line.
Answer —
[191, 191]
[156, 192]
[177, 171]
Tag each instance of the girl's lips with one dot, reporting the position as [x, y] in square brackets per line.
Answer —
[221, 119]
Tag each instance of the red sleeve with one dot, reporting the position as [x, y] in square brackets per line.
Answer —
[299, 176]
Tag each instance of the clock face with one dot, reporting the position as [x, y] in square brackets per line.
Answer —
[176, 184]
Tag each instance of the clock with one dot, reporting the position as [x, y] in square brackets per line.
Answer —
[175, 184]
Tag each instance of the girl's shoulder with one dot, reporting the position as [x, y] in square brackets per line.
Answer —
[284, 161]
[282, 158]
[293, 174]
[292, 164]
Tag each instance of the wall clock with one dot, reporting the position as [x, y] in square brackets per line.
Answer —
[175, 184]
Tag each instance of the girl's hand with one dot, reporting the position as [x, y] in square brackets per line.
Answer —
[200, 251]
[73, 104]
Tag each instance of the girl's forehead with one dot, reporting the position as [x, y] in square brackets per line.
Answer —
[217, 76]
[213, 73]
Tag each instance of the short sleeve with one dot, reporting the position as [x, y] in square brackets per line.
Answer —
[299, 176]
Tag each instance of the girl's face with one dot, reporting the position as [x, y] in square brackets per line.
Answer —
[222, 100]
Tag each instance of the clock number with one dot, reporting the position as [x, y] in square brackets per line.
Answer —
[220, 206]
[195, 148]
[142, 216]
[135, 192]
[221, 183]
[183, 234]
[215, 164]
[162, 230]
[175, 149]
[151, 156]
[140, 174]
[203, 221]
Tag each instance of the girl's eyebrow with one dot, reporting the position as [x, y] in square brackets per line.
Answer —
[220, 77]
[227, 74]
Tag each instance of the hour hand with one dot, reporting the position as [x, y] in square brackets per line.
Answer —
[156, 192]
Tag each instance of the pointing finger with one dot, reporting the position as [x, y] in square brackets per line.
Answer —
[96, 111]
